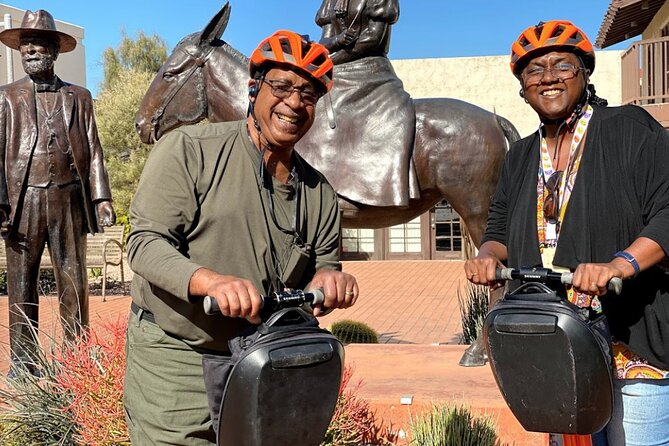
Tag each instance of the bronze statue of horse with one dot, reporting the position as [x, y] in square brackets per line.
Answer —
[458, 147]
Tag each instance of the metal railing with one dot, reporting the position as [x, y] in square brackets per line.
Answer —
[645, 72]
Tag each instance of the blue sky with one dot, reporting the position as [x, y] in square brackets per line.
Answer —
[426, 29]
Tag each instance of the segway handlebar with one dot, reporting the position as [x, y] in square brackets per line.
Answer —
[544, 275]
[276, 301]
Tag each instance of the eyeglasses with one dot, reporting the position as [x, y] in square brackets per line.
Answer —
[562, 71]
[552, 200]
[283, 90]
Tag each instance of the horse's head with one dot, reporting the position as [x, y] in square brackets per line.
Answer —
[178, 95]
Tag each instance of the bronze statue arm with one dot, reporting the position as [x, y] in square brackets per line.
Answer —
[105, 213]
[98, 177]
[335, 42]
[372, 42]
[4, 197]
[384, 11]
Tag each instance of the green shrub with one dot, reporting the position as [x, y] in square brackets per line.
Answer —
[473, 309]
[353, 332]
[448, 425]
[47, 282]
[46, 285]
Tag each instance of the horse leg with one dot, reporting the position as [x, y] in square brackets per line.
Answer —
[475, 355]
[472, 206]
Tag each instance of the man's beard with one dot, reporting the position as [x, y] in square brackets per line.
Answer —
[41, 65]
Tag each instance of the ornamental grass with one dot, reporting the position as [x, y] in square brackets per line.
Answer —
[76, 396]
[447, 425]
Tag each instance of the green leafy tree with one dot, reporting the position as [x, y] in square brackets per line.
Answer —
[144, 53]
[125, 154]
[129, 70]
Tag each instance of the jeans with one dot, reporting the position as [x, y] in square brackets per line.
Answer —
[640, 413]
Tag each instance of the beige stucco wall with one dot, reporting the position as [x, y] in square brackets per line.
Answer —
[488, 83]
[70, 67]
[654, 28]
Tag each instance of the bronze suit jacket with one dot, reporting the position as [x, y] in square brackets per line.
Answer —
[18, 138]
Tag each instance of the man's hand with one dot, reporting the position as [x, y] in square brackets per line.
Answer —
[236, 297]
[106, 214]
[340, 289]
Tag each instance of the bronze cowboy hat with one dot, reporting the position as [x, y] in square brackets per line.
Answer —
[38, 23]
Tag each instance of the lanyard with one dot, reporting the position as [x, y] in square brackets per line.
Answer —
[568, 179]
[294, 229]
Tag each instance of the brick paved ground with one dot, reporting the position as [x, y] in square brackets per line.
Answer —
[413, 305]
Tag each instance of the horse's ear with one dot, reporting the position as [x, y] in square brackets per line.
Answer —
[216, 26]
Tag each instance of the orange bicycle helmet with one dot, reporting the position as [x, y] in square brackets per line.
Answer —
[554, 35]
[295, 51]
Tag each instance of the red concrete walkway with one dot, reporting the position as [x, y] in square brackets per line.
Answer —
[413, 306]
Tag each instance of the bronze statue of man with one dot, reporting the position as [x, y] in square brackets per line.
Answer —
[54, 187]
[357, 34]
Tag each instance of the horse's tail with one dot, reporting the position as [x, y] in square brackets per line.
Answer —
[510, 132]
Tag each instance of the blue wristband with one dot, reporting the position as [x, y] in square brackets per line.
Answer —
[630, 258]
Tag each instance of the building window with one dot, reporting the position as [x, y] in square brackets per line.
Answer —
[448, 233]
[405, 238]
[357, 241]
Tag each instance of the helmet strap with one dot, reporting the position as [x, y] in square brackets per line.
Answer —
[252, 112]
[579, 109]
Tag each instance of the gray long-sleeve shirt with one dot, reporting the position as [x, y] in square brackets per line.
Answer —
[199, 204]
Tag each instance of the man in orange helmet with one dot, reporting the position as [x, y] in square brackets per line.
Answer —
[589, 193]
[227, 210]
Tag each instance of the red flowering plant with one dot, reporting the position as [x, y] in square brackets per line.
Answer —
[92, 370]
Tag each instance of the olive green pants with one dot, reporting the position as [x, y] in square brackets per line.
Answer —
[165, 398]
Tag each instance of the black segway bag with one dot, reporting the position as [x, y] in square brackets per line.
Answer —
[282, 383]
[551, 362]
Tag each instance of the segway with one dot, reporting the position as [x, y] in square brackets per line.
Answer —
[281, 385]
[551, 359]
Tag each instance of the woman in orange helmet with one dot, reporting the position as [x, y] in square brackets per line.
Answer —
[589, 192]
[227, 210]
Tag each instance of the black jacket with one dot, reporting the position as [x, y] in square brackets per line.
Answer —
[621, 193]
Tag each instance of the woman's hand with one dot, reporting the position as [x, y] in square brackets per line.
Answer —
[593, 278]
[481, 269]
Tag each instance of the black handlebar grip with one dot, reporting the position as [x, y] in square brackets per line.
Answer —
[503, 274]
[615, 284]
[319, 296]
[210, 305]
[312, 297]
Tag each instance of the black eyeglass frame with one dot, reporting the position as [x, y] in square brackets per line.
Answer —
[282, 90]
[562, 71]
